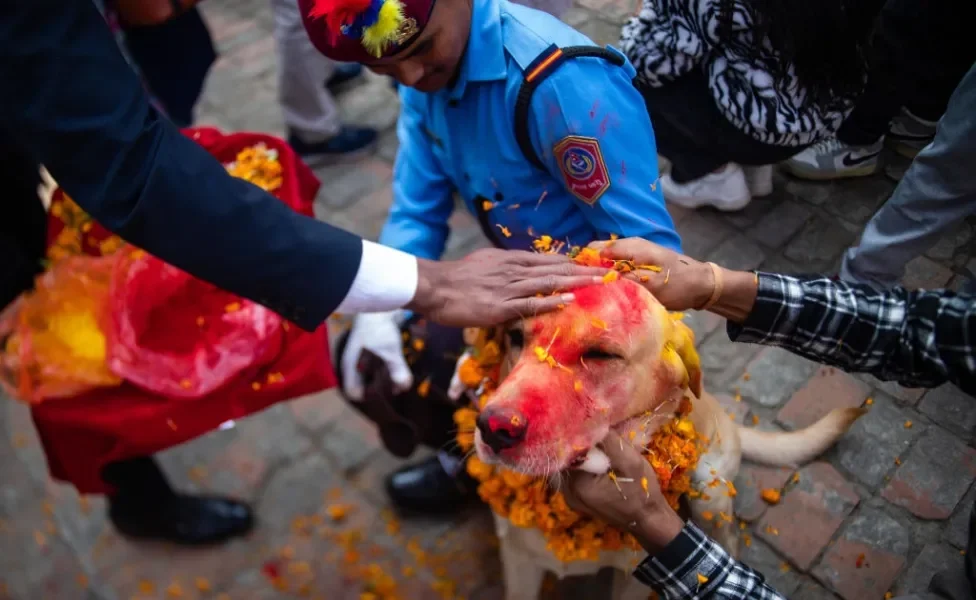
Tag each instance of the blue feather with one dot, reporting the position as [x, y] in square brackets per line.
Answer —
[364, 20]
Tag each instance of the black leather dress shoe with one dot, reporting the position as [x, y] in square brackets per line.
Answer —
[426, 487]
[181, 519]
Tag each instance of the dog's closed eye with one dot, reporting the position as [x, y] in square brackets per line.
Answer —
[600, 354]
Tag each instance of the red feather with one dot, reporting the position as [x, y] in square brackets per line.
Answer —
[337, 14]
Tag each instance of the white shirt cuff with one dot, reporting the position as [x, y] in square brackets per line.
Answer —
[386, 280]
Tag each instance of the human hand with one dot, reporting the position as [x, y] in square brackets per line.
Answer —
[492, 286]
[624, 503]
[380, 334]
[689, 283]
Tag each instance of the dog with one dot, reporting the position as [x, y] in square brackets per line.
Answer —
[615, 358]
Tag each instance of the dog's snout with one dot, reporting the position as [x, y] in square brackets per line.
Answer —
[501, 428]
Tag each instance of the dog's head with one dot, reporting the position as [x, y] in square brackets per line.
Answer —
[611, 355]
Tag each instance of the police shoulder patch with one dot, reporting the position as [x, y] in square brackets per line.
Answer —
[582, 166]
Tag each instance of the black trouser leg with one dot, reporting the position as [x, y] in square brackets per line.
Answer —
[413, 418]
[23, 228]
[919, 53]
[418, 417]
[931, 97]
[691, 132]
[138, 479]
[174, 58]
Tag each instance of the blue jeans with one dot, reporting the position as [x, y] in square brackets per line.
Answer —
[937, 191]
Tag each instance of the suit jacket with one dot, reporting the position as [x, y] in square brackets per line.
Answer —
[70, 99]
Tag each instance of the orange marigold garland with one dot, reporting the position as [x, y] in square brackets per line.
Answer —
[526, 501]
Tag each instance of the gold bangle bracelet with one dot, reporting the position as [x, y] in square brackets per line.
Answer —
[718, 285]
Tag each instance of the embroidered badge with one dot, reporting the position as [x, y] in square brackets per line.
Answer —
[584, 171]
[407, 30]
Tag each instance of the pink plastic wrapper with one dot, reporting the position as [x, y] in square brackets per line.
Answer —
[180, 337]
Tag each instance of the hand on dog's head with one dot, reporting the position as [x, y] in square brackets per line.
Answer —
[612, 356]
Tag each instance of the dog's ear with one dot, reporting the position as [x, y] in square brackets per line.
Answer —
[682, 342]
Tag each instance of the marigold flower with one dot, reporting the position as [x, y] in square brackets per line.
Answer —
[654, 268]
[470, 373]
[589, 257]
[544, 356]
[337, 512]
[543, 243]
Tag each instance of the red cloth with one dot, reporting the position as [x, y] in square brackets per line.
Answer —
[84, 433]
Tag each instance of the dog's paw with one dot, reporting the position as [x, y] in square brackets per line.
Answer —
[596, 462]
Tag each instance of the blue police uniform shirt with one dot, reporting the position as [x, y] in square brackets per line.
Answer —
[587, 122]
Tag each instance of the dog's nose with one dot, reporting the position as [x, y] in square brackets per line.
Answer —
[501, 428]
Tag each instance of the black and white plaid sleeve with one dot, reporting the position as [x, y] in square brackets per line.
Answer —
[695, 567]
[917, 338]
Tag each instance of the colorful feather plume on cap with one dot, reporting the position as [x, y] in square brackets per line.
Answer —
[376, 23]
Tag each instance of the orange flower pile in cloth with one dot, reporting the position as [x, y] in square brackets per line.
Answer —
[257, 164]
[528, 501]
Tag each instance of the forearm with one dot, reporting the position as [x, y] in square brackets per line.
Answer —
[694, 566]
[73, 103]
[919, 339]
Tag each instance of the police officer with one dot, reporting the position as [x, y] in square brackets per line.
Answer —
[71, 102]
[540, 132]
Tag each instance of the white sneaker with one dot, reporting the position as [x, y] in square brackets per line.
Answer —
[663, 165]
[759, 180]
[908, 134]
[725, 190]
[833, 159]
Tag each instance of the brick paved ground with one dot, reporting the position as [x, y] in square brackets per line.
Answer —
[894, 493]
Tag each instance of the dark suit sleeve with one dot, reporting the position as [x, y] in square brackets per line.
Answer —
[68, 96]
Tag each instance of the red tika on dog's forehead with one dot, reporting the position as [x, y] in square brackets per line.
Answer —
[613, 312]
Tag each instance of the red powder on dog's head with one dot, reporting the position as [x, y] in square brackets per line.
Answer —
[624, 295]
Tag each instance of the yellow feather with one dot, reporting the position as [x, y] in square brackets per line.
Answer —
[378, 36]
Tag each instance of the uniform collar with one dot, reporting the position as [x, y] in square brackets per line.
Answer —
[484, 57]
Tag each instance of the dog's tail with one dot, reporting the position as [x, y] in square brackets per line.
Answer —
[797, 447]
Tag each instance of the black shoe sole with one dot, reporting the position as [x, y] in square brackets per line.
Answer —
[322, 160]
